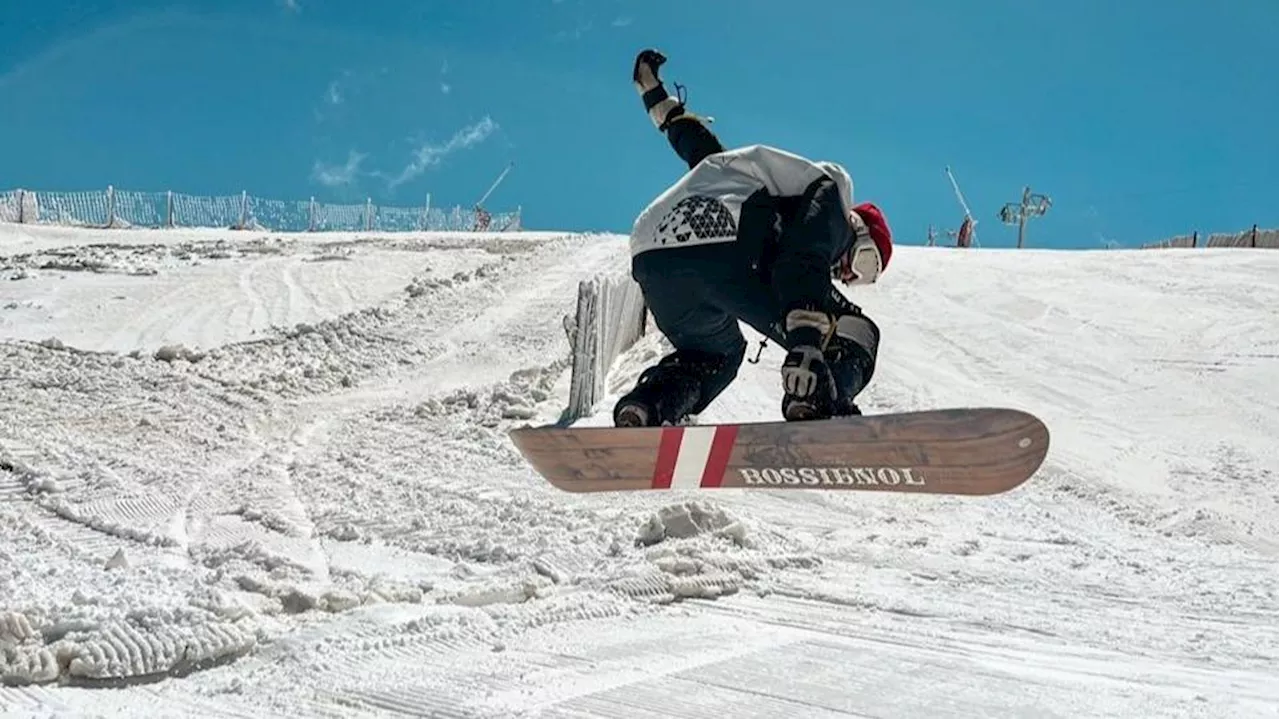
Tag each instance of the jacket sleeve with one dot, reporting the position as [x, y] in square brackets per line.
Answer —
[692, 140]
[808, 243]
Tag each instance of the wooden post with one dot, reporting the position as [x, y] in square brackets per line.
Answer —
[168, 209]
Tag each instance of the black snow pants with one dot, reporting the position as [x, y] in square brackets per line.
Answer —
[698, 294]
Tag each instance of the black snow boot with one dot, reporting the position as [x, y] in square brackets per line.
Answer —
[679, 386]
[664, 395]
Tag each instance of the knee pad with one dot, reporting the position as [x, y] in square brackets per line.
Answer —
[858, 330]
[856, 341]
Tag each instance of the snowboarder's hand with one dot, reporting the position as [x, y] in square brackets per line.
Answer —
[645, 73]
[804, 371]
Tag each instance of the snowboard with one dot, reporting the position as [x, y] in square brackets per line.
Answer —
[969, 451]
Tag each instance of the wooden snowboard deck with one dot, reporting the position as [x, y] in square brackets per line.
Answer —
[976, 451]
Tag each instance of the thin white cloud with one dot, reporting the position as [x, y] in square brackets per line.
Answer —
[621, 21]
[338, 175]
[291, 5]
[445, 88]
[336, 93]
[425, 156]
[429, 155]
[580, 29]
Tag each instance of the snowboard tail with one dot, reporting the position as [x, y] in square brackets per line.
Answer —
[978, 451]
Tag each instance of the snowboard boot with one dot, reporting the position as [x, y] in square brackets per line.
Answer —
[677, 388]
[806, 409]
[664, 395]
[662, 108]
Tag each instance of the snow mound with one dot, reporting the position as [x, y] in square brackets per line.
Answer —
[690, 519]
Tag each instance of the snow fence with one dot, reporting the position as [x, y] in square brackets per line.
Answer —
[611, 317]
[1252, 238]
[115, 208]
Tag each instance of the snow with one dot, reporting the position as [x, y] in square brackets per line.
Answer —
[275, 466]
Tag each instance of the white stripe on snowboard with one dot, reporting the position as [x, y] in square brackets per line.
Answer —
[695, 448]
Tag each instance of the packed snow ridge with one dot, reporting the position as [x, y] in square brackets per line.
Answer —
[254, 474]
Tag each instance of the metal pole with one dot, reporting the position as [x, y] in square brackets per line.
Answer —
[973, 224]
[1022, 217]
[1031, 205]
[494, 186]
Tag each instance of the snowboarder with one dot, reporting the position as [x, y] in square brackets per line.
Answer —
[755, 234]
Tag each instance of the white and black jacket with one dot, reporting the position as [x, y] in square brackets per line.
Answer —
[790, 211]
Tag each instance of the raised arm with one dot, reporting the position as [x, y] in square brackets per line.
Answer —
[688, 134]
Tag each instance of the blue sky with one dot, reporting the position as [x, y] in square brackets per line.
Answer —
[1142, 119]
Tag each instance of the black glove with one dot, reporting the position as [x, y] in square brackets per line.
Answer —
[646, 68]
[805, 373]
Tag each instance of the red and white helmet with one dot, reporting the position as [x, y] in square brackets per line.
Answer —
[872, 246]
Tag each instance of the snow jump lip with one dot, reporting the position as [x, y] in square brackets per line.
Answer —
[962, 451]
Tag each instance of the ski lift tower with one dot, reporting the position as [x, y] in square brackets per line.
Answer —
[1017, 213]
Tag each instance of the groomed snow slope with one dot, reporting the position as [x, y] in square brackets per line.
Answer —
[325, 519]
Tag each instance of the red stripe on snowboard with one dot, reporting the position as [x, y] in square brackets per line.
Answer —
[718, 459]
[668, 453]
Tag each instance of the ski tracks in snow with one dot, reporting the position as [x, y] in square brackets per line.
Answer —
[191, 467]
[330, 514]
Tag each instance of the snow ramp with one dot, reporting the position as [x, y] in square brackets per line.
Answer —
[248, 474]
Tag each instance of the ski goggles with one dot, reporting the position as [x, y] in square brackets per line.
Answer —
[861, 264]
